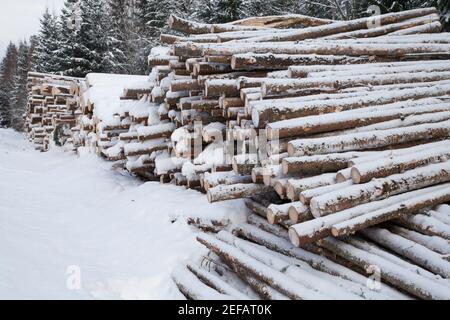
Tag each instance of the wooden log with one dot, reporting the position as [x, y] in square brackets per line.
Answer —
[295, 186]
[443, 217]
[154, 132]
[369, 139]
[406, 207]
[367, 171]
[216, 283]
[413, 251]
[269, 61]
[308, 278]
[353, 118]
[425, 224]
[347, 26]
[299, 213]
[217, 88]
[257, 269]
[204, 68]
[186, 26]
[137, 149]
[192, 288]
[407, 280]
[313, 165]
[278, 213]
[283, 21]
[435, 243]
[380, 189]
[311, 231]
[391, 28]
[307, 195]
[319, 70]
[433, 27]
[273, 87]
[184, 85]
[318, 262]
[264, 112]
[238, 191]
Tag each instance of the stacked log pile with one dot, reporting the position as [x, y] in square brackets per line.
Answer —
[345, 125]
[50, 109]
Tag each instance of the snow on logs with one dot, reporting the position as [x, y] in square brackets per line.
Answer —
[357, 128]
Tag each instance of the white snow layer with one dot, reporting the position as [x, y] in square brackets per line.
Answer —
[60, 214]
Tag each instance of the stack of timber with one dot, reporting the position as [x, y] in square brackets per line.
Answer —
[50, 109]
[256, 260]
[345, 125]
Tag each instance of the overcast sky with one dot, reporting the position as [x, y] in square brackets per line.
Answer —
[20, 19]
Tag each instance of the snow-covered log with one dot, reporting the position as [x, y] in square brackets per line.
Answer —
[237, 191]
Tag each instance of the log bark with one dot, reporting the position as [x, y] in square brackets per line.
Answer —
[354, 118]
[238, 191]
[435, 243]
[295, 186]
[341, 27]
[273, 87]
[264, 112]
[409, 281]
[413, 251]
[365, 172]
[307, 195]
[311, 231]
[216, 283]
[257, 269]
[380, 189]
[269, 61]
[404, 208]
[426, 225]
[313, 165]
[370, 139]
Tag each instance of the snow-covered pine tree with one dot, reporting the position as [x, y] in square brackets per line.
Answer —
[71, 60]
[121, 37]
[46, 59]
[93, 34]
[8, 70]
[19, 93]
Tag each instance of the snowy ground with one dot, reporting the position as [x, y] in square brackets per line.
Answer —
[60, 215]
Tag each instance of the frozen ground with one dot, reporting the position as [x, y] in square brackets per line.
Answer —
[60, 214]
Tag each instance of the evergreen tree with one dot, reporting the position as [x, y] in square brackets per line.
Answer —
[94, 30]
[19, 93]
[8, 71]
[48, 44]
[121, 37]
[70, 56]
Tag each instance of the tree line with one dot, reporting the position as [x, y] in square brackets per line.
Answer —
[115, 36]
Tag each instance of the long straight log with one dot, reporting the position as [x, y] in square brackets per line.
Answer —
[313, 165]
[269, 61]
[259, 270]
[311, 231]
[413, 251]
[370, 139]
[365, 172]
[295, 186]
[405, 208]
[435, 243]
[271, 111]
[319, 70]
[380, 189]
[407, 280]
[273, 87]
[347, 26]
[353, 118]
[390, 28]
[237, 191]
[426, 225]
[317, 262]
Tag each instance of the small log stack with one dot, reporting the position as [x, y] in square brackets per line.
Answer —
[50, 110]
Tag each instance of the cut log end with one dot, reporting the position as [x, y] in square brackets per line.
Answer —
[356, 175]
[293, 215]
[271, 217]
[293, 236]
